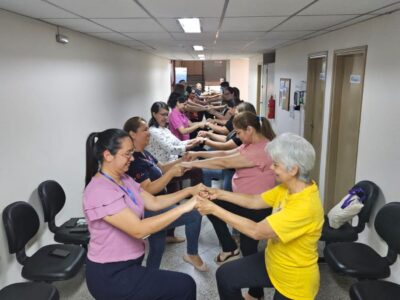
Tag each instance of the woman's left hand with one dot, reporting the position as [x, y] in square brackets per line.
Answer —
[204, 206]
[195, 190]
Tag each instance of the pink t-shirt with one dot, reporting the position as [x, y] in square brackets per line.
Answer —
[103, 198]
[176, 120]
[257, 179]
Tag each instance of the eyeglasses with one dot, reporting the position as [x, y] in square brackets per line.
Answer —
[127, 154]
[164, 114]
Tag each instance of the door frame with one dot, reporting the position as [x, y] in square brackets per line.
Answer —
[331, 132]
[307, 116]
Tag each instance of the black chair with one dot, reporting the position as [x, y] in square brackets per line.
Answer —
[29, 291]
[52, 197]
[49, 263]
[347, 232]
[374, 289]
[361, 261]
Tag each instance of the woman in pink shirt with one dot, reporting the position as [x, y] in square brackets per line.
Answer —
[179, 124]
[114, 204]
[253, 176]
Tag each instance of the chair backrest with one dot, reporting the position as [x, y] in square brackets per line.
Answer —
[372, 192]
[52, 197]
[387, 225]
[21, 223]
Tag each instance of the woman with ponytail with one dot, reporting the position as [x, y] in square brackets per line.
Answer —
[252, 176]
[114, 205]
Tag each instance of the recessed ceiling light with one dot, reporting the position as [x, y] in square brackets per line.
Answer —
[198, 48]
[190, 25]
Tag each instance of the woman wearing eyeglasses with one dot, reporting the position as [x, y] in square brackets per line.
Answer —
[154, 177]
[114, 205]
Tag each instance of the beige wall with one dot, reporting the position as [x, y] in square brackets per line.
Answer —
[52, 97]
[379, 140]
[239, 76]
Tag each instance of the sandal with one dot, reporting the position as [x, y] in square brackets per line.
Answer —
[202, 268]
[231, 256]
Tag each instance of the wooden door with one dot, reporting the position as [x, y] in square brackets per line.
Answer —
[314, 107]
[347, 90]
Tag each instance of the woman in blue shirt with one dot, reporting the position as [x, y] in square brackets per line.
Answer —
[153, 177]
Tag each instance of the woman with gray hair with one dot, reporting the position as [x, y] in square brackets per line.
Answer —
[289, 263]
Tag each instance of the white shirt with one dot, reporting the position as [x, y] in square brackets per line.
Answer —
[164, 145]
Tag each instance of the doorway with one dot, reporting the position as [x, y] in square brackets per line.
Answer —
[347, 92]
[314, 106]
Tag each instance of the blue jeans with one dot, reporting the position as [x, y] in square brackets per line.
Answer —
[224, 175]
[192, 222]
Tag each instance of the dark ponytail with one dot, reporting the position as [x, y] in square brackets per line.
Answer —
[260, 124]
[110, 140]
[266, 129]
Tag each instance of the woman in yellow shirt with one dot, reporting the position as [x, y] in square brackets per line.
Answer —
[289, 263]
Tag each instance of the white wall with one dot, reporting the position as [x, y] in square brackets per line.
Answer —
[52, 96]
[379, 141]
[239, 76]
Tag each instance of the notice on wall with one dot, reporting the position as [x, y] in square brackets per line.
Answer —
[355, 79]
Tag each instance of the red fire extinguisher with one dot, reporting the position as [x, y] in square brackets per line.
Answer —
[271, 108]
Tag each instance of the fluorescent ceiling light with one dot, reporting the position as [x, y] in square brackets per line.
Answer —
[202, 58]
[190, 25]
[198, 48]
[201, 55]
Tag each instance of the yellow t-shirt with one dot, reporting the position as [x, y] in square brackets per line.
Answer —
[291, 259]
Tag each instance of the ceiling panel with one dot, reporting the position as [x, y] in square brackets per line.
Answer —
[312, 22]
[264, 7]
[250, 24]
[35, 9]
[285, 35]
[81, 25]
[183, 8]
[207, 24]
[133, 43]
[240, 35]
[102, 8]
[350, 22]
[111, 36]
[149, 35]
[387, 9]
[329, 7]
[194, 36]
[131, 25]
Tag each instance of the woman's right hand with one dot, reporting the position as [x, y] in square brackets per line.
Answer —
[202, 133]
[177, 170]
[190, 155]
[189, 205]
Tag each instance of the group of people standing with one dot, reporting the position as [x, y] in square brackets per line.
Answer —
[134, 185]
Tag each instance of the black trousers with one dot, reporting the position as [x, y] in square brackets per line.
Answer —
[248, 246]
[247, 272]
[129, 280]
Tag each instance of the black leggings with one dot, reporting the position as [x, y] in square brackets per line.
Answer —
[248, 246]
[247, 272]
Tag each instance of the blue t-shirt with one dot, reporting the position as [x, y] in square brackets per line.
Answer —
[143, 167]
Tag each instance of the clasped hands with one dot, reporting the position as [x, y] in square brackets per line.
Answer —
[202, 199]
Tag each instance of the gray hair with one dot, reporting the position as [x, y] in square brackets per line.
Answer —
[293, 150]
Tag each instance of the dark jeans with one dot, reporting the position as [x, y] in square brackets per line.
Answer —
[129, 280]
[248, 246]
[247, 272]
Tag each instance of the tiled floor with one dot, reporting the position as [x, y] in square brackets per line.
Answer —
[333, 287]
